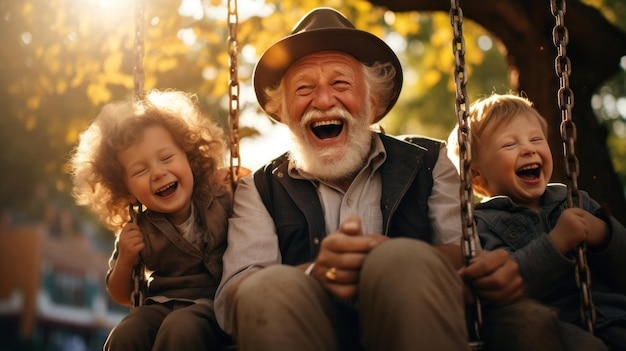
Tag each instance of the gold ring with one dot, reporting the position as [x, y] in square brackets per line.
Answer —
[331, 274]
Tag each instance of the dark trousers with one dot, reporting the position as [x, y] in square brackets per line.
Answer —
[169, 326]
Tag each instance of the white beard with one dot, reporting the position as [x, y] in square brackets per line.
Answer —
[337, 162]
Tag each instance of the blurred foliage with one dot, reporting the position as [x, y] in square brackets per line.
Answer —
[613, 10]
[609, 102]
[62, 60]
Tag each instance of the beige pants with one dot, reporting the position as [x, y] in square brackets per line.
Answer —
[410, 298]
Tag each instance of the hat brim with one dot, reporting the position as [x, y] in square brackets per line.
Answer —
[362, 45]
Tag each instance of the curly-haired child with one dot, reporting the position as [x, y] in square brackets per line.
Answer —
[163, 156]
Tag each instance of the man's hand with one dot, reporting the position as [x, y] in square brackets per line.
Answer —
[495, 277]
[341, 256]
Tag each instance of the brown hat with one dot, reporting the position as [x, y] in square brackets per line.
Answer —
[322, 29]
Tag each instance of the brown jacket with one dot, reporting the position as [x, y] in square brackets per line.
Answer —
[178, 269]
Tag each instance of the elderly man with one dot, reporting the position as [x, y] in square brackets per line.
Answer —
[351, 240]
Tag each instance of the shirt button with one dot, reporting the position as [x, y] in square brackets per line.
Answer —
[349, 202]
[316, 241]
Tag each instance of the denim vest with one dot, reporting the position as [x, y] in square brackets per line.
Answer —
[406, 185]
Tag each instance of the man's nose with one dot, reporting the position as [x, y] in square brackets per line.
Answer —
[324, 98]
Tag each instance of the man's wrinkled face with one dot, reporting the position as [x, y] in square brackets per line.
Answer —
[328, 113]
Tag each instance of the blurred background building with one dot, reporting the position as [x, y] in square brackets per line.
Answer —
[52, 291]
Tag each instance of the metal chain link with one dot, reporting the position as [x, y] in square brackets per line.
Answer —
[469, 238]
[137, 296]
[137, 275]
[138, 72]
[565, 99]
[233, 92]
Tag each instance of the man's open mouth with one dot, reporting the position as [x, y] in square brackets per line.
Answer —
[327, 129]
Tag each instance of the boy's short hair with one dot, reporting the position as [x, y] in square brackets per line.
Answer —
[486, 114]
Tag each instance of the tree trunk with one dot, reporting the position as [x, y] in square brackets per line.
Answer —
[595, 48]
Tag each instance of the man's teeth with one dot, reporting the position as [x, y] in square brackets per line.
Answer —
[326, 123]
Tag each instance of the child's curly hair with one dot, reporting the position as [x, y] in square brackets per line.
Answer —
[97, 174]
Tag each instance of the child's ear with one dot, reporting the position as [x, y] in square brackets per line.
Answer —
[132, 200]
[478, 181]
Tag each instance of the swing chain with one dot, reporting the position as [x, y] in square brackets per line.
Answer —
[138, 72]
[469, 244]
[565, 99]
[233, 92]
[136, 296]
[137, 274]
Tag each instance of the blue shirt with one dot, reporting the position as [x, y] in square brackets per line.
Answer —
[549, 275]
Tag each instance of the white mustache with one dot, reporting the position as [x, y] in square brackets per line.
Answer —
[335, 112]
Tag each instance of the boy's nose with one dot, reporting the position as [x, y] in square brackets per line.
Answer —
[528, 150]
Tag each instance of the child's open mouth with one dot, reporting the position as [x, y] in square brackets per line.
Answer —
[529, 171]
[167, 190]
